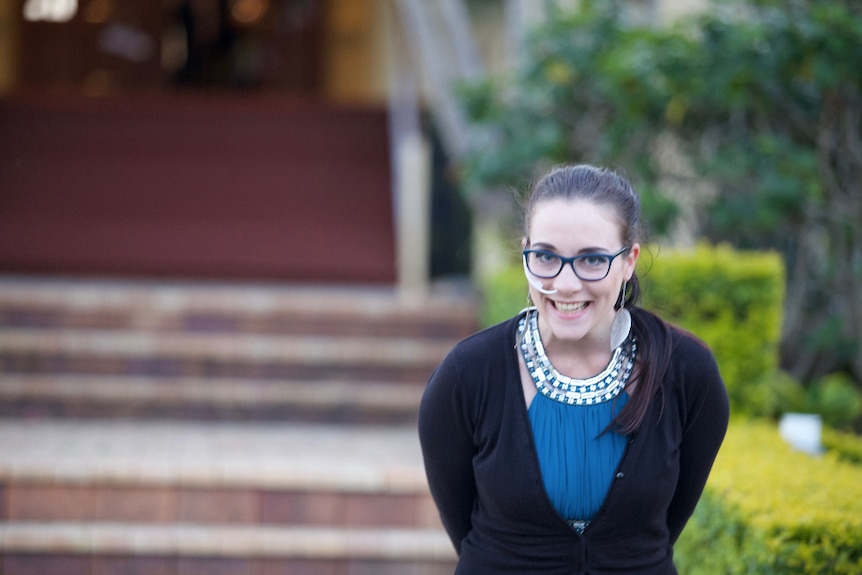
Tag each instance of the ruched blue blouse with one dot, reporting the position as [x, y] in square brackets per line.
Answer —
[577, 460]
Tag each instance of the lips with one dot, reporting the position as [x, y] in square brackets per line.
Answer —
[563, 307]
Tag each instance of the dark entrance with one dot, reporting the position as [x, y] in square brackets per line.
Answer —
[189, 140]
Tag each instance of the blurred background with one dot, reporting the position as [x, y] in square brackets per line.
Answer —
[210, 139]
[236, 236]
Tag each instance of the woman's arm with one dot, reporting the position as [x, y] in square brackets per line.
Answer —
[446, 437]
[707, 413]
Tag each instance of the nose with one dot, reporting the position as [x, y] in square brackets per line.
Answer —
[568, 280]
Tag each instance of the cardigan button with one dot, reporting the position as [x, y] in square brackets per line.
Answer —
[620, 475]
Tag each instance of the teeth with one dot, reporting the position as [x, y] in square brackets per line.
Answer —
[570, 307]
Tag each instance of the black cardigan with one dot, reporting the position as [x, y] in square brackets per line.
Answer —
[484, 475]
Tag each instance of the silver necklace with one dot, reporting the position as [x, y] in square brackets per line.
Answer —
[599, 388]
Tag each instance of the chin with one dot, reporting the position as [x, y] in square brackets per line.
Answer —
[567, 329]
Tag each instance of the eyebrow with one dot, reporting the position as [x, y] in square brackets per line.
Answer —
[587, 250]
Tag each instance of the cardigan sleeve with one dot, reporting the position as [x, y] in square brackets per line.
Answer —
[446, 437]
[704, 425]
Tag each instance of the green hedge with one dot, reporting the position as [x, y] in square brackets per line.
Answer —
[769, 510]
[731, 299]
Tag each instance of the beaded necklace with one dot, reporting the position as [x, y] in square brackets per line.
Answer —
[552, 384]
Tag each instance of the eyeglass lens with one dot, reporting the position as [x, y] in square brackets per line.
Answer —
[587, 267]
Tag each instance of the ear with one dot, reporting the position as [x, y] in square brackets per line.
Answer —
[631, 259]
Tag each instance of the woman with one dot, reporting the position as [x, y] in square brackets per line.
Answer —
[577, 436]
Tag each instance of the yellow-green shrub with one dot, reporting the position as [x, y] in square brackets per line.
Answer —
[845, 446]
[733, 301]
[771, 510]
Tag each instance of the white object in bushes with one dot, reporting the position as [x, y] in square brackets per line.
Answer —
[802, 431]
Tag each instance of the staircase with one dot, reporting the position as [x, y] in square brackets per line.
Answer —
[205, 428]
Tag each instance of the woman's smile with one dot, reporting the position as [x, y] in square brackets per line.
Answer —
[566, 308]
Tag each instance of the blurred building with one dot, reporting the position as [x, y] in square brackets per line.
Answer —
[317, 48]
[243, 139]
[228, 139]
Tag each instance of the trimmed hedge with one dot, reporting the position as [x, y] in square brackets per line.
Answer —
[731, 299]
[771, 510]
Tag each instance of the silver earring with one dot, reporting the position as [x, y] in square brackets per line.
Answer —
[622, 323]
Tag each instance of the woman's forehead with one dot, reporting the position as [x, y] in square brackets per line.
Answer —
[562, 219]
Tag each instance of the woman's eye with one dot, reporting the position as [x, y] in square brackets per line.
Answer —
[547, 258]
[596, 261]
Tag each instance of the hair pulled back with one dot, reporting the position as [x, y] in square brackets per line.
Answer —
[602, 186]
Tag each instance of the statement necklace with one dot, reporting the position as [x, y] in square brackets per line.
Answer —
[552, 384]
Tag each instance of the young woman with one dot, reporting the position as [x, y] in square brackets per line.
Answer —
[577, 436]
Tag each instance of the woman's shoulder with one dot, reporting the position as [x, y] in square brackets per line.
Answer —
[686, 353]
[690, 374]
[478, 356]
[689, 349]
[473, 364]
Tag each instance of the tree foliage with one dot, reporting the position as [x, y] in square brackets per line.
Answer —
[751, 112]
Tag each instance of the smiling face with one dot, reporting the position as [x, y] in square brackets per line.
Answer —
[579, 311]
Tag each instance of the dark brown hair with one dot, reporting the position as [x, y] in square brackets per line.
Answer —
[608, 188]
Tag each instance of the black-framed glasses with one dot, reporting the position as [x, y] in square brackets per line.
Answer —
[588, 267]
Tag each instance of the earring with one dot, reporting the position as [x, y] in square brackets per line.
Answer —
[622, 323]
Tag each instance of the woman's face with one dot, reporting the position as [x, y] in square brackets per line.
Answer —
[579, 310]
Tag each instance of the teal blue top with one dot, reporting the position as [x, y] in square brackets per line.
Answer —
[577, 462]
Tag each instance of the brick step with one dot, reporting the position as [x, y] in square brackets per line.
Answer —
[104, 352]
[315, 351]
[90, 396]
[293, 309]
[260, 455]
[132, 501]
[253, 474]
[180, 497]
[29, 548]
[208, 351]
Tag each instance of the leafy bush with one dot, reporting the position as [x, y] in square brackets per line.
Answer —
[733, 301]
[844, 446]
[771, 510]
[775, 395]
[837, 399]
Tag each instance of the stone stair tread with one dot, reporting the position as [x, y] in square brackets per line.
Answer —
[217, 391]
[358, 458]
[325, 350]
[310, 542]
[152, 305]
[235, 296]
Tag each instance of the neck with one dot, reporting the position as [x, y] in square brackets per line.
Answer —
[577, 358]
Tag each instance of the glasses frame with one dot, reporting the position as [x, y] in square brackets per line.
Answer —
[571, 262]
